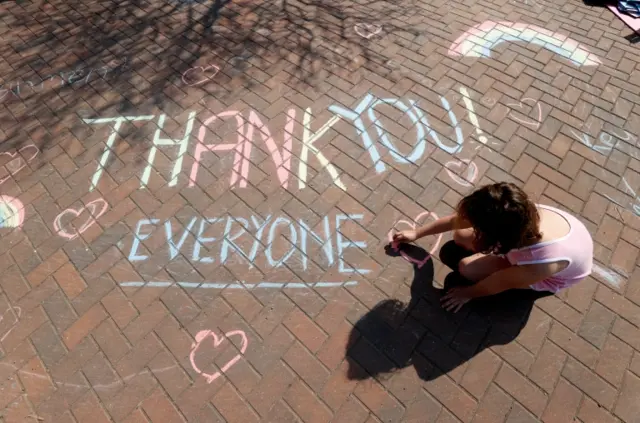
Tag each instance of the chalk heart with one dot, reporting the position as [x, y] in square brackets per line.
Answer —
[520, 108]
[95, 209]
[199, 74]
[202, 335]
[455, 168]
[416, 221]
[367, 30]
[17, 162]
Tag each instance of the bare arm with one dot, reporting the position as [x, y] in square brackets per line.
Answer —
[444, 224]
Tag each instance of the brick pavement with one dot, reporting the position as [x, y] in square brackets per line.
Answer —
[196, 199]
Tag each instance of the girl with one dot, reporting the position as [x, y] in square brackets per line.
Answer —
[514, 244]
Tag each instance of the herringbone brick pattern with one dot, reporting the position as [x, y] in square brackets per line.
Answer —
[197, 196]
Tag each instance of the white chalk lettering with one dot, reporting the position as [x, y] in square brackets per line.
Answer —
[174, 249]
[342, 245]
[271, 239]
[200, 240]
[139, 237]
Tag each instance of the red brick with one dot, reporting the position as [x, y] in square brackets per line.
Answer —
[145, 322]
[574, 345]
[453, 397]
[70, 280]
[306, 405]
[614, 360]
[339, 386]
[306, 365]
[36, 381]
[494, 406]
[628, 406]
[120, 309]
[596, 324]
[480, 373]
[590, 383]
[591, 412]
[88, 408]
[271, 388]
[159, 408]
[618, 304]
[305, 330]
[563, 404]
[624, 258]
[522, 390]
[352, 411]
[548, 365]
[47, 268]
[83, 326]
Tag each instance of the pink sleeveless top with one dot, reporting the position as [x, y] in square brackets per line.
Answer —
[576, 247]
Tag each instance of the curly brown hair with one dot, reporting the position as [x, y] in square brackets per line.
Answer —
[503, 218]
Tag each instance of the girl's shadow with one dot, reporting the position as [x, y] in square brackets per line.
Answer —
[394, 335]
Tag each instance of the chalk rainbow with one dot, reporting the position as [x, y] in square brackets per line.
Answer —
[11, 212]
[481, 39]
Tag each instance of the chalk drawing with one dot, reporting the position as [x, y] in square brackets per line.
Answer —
[15, 313]
[472, 114]
[609, 276]
[605, 143]
[455, 171]
[262, 233]
[237, 285]
[95, 209]
[18, 161]
[412, 225]
[199, 75]
[489, 102]
[481, 39]
[117, 121]
[11, 212]
[520, 106]
[202, 335]
[367, 30]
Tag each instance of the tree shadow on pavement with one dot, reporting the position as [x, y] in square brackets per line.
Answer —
[395, 335]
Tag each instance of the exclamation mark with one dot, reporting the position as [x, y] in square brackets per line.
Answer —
[472, 114]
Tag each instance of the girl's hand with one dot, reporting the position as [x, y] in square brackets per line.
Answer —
[453, 300]
[405, 236]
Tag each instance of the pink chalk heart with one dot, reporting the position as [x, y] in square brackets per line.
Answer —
[18, 161]
[95, 209]
[416, 221]
[201, 336]
[464, 172]
[199, 74]
[367, 30]
[520, 108]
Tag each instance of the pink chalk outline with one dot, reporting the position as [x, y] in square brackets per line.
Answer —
[367, 30]
[537, 123]
[472, 172]
[481, 39]
[16, 316]
[410, 259]
[200, 336]
[93, 216]
[21, 164]
[203, 70]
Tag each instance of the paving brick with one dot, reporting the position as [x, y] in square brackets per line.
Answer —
[548, 365]
[627, 407]
[494, 406]
[305, 404]
[614, 360]
[563, 403]
[83, 326]
[522, 390]
[589, 383]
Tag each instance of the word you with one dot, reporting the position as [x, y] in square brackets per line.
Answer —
[251, 123]
[11, 212]
[396, 247]
[19, 160]
[464, 172]
[481, 39]
[61, 79]
[199, 75]
[93, 209]
[15, 314]
[366, 30]
[605, 142]
[202, 335]
[630, 191]
[230, 231]
[238, 285]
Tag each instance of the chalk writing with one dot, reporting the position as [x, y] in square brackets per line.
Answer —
[202, 335]
[412, 225]
[367, 30]
[520, 106]
[455, 171]
[481, 39]
[199, 75]
[281, 157]
[605, 142]
[94, 209]
[11, 212]
[61, 79]
[15, 314]
[232, 230]
[608, 276]
[472, 114]
[19, 160]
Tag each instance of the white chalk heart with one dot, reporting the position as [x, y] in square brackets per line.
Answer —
[18, 163]
[520, 106]
[416, 221]
[202, 335]
[96, 208]
[464, 172]
[367, 30]
[199, 74]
